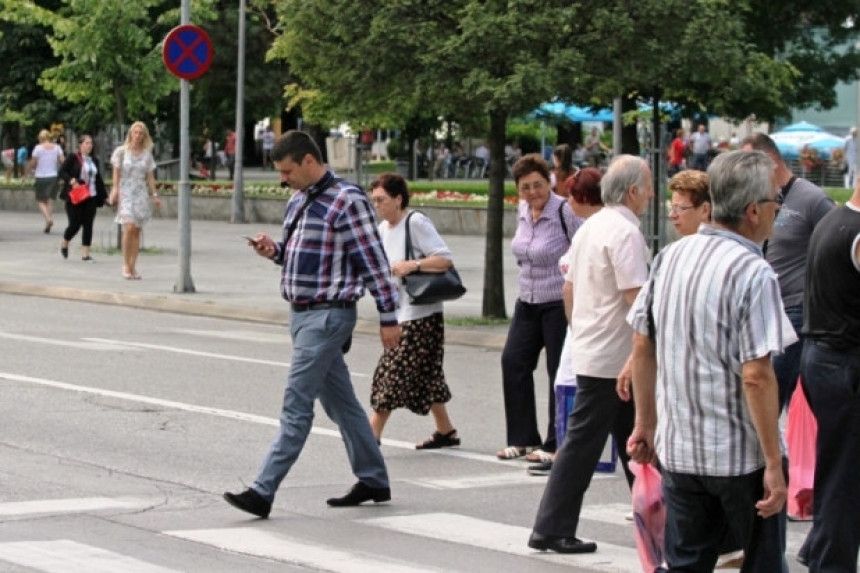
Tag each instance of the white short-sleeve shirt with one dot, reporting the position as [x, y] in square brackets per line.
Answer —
[608, 256]
[425, 242]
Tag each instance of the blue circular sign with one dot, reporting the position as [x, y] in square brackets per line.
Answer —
[187, 52]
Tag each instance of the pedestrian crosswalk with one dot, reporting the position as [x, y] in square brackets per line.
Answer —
[302, 549]
[66, 556]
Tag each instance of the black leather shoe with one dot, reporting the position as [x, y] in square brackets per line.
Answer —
[560, 544]
[359, 494]
[250, 501]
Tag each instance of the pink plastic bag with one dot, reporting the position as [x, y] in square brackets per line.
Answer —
[801, 430]
[649, 515]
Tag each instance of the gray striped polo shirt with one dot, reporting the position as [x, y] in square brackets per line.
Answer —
[716, 305]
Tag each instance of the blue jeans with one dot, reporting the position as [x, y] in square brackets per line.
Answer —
[786, 366]
[318, 370]
[699, 509]
[831, 380]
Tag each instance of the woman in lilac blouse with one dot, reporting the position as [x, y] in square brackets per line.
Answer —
[545, 225]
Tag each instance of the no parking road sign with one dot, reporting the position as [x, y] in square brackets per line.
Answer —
[187, 52]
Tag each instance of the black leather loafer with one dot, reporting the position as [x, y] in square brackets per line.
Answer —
[560, 544]
[250, 501]
[359, 494]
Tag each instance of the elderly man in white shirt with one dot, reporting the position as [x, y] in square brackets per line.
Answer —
[608, 264]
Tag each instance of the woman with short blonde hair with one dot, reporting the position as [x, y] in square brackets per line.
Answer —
[45, 163]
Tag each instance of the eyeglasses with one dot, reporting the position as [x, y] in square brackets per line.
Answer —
[526, 187]
[779, 199]
[678, 209]
[378, 200]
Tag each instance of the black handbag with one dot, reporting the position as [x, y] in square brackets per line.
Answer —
[430, 288]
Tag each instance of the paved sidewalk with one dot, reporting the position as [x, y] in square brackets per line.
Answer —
[229, 279]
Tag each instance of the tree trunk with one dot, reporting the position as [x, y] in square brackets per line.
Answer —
[629, 133]
[494, 284]
[120, 106]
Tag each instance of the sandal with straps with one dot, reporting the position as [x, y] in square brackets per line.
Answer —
[514, 452]
[540, 457]
[439, 440]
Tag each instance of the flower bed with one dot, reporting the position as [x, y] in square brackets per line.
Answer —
[274, 191]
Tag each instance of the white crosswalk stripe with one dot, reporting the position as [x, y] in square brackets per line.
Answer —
[504, 538]
[69, 556]
[65, 556]
[69, 505]
[260, 543]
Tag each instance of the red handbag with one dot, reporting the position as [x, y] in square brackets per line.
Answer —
[79, 193]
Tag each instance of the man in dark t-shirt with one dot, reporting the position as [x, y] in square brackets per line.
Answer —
[830, 371]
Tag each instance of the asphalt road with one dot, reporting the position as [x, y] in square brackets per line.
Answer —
[122, 427]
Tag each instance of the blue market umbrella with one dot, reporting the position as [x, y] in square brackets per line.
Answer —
[826, 144]
[803, 126]
[562, 110]
[793, 138]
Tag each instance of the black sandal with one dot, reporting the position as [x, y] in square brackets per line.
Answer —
[439, 440]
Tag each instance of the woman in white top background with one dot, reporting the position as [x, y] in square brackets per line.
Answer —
[133, 185]
[44, 163]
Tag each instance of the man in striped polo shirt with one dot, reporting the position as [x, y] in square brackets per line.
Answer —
[705, 327]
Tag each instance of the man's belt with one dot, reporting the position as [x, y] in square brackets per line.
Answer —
[306, 306]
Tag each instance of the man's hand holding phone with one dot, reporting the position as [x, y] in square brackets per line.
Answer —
[263, 245]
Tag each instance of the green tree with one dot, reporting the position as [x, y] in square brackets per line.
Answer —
[381, 64]
[213, 95]
[378, 61]
[818, 39]
[25, 52]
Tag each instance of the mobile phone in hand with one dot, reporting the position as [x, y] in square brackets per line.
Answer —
[251, 240]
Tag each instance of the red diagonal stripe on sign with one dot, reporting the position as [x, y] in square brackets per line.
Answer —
[188, 51]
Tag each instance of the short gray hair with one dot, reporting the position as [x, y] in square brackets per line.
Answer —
[739, 178]
[624, 172]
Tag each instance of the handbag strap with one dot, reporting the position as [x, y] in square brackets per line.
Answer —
[410, 255]
[561, 219]
[311, 197]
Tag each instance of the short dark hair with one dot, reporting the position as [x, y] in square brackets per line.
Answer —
[762, 142]
[295, 145]
[394, 185]
[530, 163]
[584, 186]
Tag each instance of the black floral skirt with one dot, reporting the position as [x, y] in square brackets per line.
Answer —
[410, 375]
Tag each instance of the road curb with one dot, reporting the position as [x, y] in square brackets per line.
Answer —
[163, 303]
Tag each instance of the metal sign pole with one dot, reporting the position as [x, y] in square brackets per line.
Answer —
[238, 215]
[184, 283]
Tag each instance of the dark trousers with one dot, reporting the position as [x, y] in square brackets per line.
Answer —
[700, 161]
[699, 509]
[831, 380]
[533, 328]
[597, 412]
[786, 366]
[81, 215]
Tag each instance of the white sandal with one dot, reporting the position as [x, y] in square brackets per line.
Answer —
[539, 457]
[514, 452]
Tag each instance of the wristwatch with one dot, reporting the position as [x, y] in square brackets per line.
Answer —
[417, 265]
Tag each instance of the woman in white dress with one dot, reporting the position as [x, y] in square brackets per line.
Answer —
[133, 185]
